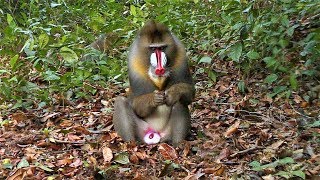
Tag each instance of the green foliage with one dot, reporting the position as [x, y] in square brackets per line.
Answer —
[122, 158]
[42, 43]
[23, 163]
[271, 36]
[6, 164]
[290, 171]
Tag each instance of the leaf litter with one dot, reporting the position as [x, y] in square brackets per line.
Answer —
[232, 136]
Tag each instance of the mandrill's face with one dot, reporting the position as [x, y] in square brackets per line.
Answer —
[158, 60]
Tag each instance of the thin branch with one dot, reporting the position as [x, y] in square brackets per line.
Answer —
[299, 112]
[69, 142]
[246, 151]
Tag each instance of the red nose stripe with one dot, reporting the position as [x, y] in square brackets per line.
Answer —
[159, 70]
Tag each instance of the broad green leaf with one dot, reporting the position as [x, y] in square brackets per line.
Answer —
[13, 61]
[270, 61]
[271, 78]
[3, 71]
[43, 40]
[283, 174]
[311, 72]
[235, 51]
[122, 158]
[212, 75]
[288, 94]
[283, 43]
[241, 86]
[308, 48]
[286, 160]
[277, 90]
[51, 76]
[133, 10]
[13, 79]
[23, 163]
[43, 167]
[6, 164]
[285, 21]
[293, 82]
[205, 59]
[10, 20]
[290, 30]
[41, 105]
[315, 124]
[253, 55]
[254, 164]
[26, 45]
[299, 173]
[258, 168]
[69, 55]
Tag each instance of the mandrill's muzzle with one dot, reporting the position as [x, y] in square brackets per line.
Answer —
[158, 60]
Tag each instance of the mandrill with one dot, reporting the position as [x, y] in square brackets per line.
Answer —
[161, 88]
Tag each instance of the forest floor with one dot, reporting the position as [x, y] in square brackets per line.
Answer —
[234, 135]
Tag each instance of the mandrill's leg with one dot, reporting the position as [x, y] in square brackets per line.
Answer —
[126, 123]
[180, 122]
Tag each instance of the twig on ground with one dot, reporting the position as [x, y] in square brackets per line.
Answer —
[246, 151]
[300, 112]
[69, 142]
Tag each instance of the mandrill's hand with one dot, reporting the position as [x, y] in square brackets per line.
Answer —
[172, 95]
[158, 98]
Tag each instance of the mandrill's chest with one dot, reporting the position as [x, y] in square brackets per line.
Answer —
[158, 81]
[159, 118]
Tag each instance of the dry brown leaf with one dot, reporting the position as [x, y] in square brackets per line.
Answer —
[43, 143]
[107, 154]
[73, 137]
[80, 105]
[93, 160]
[17, 175]
[276, 145]
[81, 130]
[186, 149]
[76, 163]
[134, 159]
[195, 176]
[30, 171]
[44, 119]
[297, 99]
[138, 176]
[2, 151]
[141, 155]
[268, 177]
[168, 152]
[232, 129]
[66, 123]
[304, 104]
[218, 171]
[225, 153]
[19, 116]
[64, 162]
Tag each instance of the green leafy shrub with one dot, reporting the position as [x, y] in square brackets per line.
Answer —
[43, 43]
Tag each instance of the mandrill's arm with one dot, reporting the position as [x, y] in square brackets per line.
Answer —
[181, 87]
[144, 105]
[182, 92]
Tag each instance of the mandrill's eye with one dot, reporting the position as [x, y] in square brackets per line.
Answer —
[162, 48]
[153, 49]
